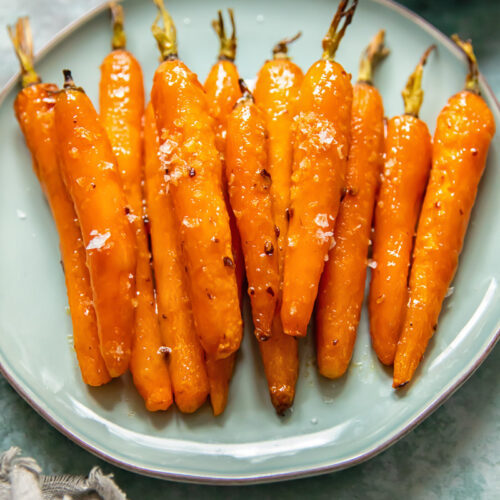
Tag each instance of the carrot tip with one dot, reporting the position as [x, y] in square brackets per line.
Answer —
[400, 385]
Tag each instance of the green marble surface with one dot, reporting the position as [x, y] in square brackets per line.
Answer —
[454, 454]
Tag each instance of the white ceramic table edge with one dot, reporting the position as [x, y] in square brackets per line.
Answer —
[453, 386]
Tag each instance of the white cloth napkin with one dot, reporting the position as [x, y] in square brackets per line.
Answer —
[21, 479]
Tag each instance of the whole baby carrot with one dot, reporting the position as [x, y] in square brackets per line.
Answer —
[121, 99]
[462, 138]
[34, 109]
[320, 149]
[184, 352]
[223, 90]
[405, 174]
[187, 144]
[276, 91]
[249, 183]
[91, 176]
[342, 284]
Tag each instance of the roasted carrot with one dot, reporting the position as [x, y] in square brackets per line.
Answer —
[342, 284]
[249, 183]
[184, 353]
[223, 90]
[121, 100]
[187, 144]
[405, 174]
[276, 91]
[462, 138]
[91, 176]
[320, 148]
[34, 109]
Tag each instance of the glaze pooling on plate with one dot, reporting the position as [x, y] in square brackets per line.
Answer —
[333, 424]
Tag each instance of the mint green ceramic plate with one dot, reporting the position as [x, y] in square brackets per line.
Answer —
[333, 424]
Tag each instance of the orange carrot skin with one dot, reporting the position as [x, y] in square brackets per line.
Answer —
[249, 185]
[121, 105]
[223, 90]
[121, 99]
[90, 173]
[280, 357]
[406, 170]
[276, 92]
[186, 358]
[34, 109]
[342, 285]
[187, 144]
[462, 138]
[220, 372]
[321, 145]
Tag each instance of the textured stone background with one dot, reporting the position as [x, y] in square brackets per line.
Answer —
[454, 454]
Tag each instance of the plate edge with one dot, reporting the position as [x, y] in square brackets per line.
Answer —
[280, 476]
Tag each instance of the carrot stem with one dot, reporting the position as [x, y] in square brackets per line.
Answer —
[69, 83]
[227, 44]
[119, 40]
[373, 54]
[280, 50]
[68, 79]
[22, 40]
[472, 79]
[413, 94]
[165, 37]
[333, 37]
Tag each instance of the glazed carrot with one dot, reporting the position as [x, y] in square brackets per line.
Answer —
[342, 284]
[405, 174]
[276, 91]
[121, 98]
[91, 176]
[187, 143]
[223, 90]
[34, 109]
[320, 149]
[249, 183]
[185, 355]
[462, 138]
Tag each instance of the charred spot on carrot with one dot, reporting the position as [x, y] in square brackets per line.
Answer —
[268, 248]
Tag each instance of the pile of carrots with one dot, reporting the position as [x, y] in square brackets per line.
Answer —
[165, 210]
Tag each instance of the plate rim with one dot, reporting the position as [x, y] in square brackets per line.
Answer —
[218, 479]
